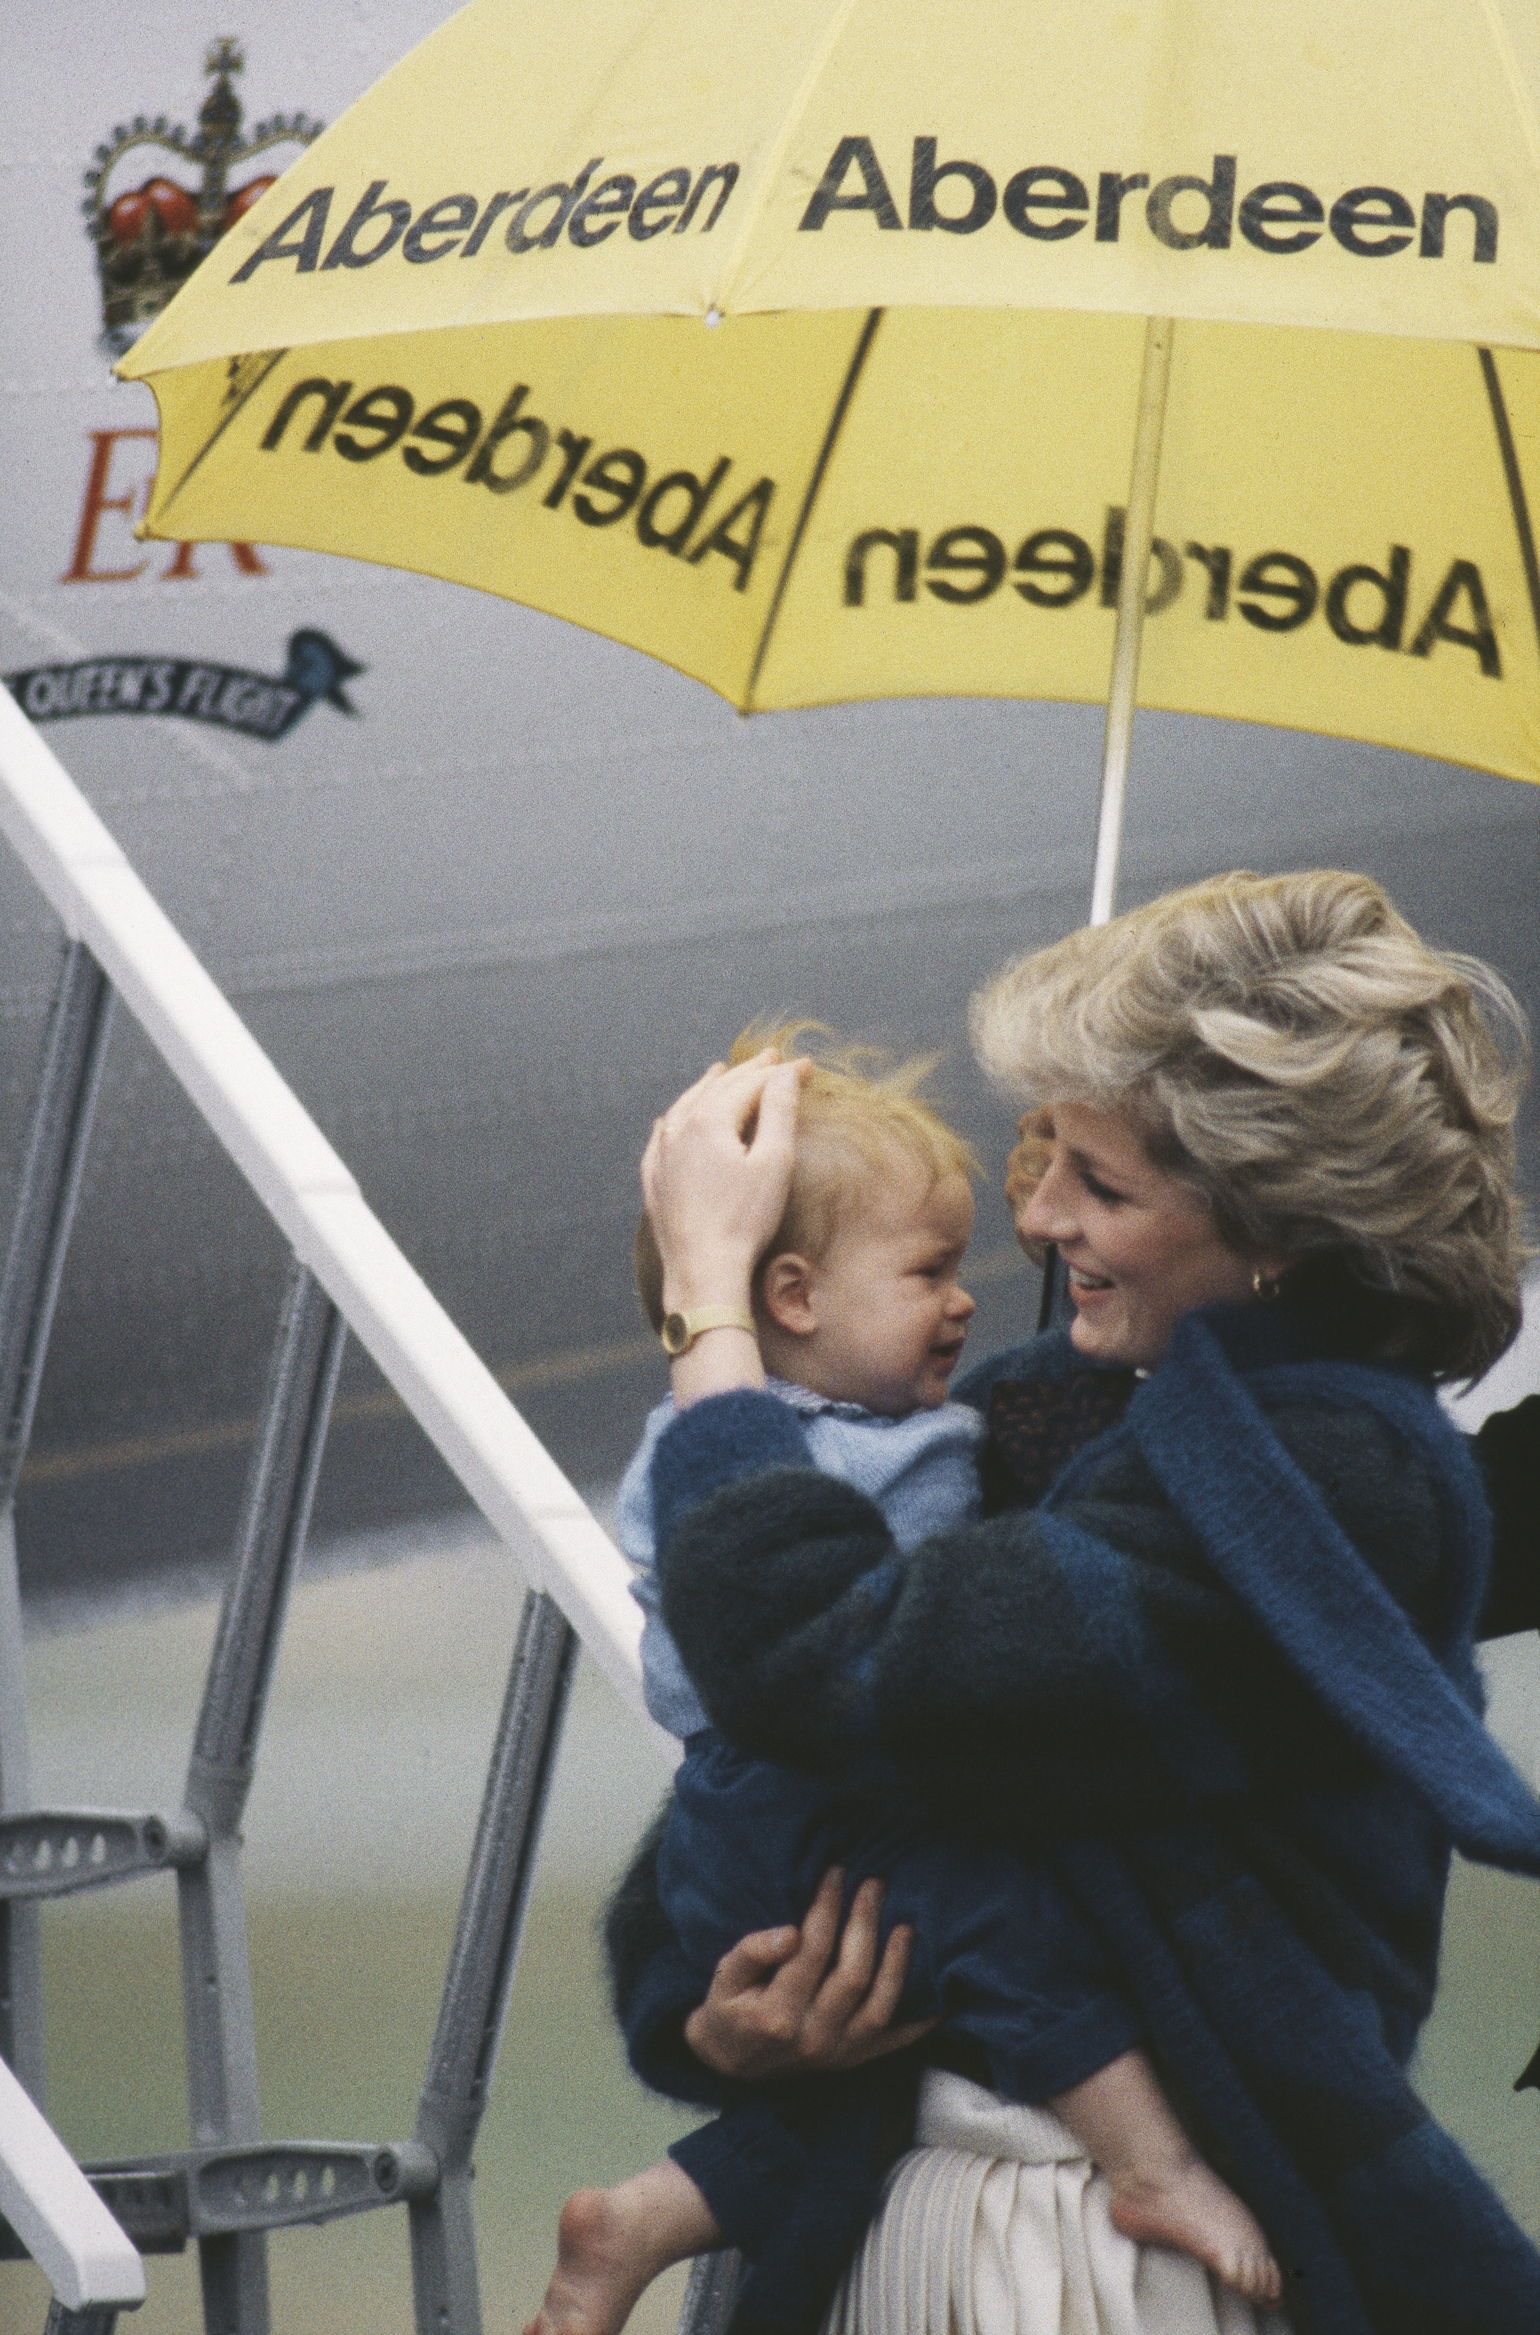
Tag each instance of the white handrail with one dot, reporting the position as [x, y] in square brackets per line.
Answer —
[309, 1193]
[56, 2213]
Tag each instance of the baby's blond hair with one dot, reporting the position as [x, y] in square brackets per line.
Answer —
[858, 1112]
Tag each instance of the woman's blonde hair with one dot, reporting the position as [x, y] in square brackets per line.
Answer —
[858, 1110]
[1340, 1093]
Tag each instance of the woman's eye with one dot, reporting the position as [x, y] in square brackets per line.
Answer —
[1100, 1191]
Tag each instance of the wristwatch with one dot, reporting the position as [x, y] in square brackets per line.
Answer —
[680, 1330]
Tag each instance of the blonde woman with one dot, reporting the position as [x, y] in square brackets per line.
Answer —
[1210, 1657]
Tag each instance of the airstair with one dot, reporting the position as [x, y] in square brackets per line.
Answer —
[90, 2228]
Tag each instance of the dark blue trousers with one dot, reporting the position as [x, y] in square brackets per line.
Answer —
[1000, 1956]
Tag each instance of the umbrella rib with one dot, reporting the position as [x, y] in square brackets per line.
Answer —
[1515, 478]
[275, 357]
[836, 423]
[1513, 74]
[790, 124]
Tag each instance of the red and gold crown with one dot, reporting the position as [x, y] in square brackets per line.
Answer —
[150, 232]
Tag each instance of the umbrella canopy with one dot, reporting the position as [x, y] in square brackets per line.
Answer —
[740, 336]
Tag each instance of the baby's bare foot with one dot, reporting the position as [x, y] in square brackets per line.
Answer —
[1191, 2209]
[603, 2262]
[611, 2243]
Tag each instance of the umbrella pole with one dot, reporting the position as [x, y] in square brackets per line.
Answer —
[1133, 591]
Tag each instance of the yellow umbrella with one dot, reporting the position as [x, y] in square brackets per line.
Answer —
[827, 349]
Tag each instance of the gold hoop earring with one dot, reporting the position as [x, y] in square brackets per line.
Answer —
[1268, 1287]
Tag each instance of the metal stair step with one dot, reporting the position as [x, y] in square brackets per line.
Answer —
[163, 2201]
[52, 1852]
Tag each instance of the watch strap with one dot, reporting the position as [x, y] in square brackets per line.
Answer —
[680, 1330]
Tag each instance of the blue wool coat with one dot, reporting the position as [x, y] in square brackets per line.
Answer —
[1222, 1676]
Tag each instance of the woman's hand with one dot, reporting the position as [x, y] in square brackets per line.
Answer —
[715, 1178]
[784, 2002]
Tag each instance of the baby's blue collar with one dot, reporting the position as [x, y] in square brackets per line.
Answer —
[811, 1404]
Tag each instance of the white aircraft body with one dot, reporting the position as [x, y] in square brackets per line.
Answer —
[497, 887]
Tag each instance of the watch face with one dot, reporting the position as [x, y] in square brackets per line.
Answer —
[675, 1333]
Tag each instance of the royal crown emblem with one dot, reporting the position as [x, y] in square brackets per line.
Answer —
[150, 231]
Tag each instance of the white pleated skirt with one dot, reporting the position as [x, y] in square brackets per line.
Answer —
[996, 2223]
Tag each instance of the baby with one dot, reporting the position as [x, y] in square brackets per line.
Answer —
[861, 1320]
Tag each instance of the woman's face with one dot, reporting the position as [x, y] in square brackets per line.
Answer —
[1140, 1247]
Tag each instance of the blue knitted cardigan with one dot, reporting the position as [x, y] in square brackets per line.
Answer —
[1232, 1701]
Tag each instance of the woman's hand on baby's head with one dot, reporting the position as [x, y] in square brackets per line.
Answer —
[716, 1174]
[815, 1999]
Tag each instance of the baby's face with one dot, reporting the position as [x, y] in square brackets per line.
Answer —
[891, 1311]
